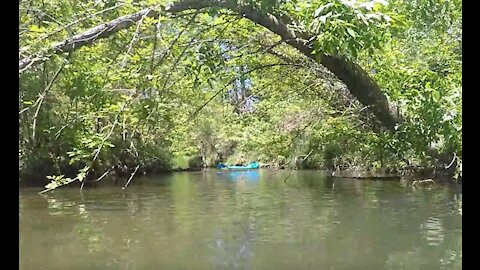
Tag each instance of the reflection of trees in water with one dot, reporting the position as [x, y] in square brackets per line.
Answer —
[60, 233]
[452, 257]
[104, 228]
[456, 202]
[200, 223]
[267, 216]
[91, 231]
[432, 231]
[382, 223]
[409, 259]
[234, 238]
[234, 251]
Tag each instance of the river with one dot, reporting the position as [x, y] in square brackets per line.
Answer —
[243, 220]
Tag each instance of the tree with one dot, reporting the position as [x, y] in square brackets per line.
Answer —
[122, 98]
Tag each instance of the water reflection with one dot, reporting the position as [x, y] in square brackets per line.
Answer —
[233, 253]
[433, 231]
[457, 200]
[60, 207]
[242, 220]
[251, 176]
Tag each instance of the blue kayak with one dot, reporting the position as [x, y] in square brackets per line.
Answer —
[251, 166]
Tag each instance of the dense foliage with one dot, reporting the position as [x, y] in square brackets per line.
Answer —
[205, 86]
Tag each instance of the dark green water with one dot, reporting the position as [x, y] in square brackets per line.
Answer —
[207, 220]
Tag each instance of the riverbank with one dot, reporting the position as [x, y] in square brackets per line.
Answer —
[121, 173]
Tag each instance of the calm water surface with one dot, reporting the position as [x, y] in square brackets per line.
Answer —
[252, 220]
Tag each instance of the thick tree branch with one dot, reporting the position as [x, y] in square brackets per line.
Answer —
[101, 31]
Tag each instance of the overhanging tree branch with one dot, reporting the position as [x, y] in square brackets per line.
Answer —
[364, 88]
[101, 31]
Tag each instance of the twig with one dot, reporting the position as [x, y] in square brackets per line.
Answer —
[50, 189]
[187, 46]
[128, 182]
[47, 88]
[135, 35]
[111, 131]
[451, 163]
[264, 87]
[83, 183]
[22, 111]
[263, 49]
[423, 181]
[288, 176]
[33, 105]
[97, 150]
[87, 11]
[103, 175]
[64, 27]
[157, 28]
[41, 12]
[232, 81]
[314, 84]
[27, 62]
[285, 180]
[57, 134]
[175, 41]
[175, 63]
[105, 139]
[98, 179]
[132, 145]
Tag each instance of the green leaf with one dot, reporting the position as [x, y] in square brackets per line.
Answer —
[126, 97]
[35, 28]
[351, 32]
[323, 18]
[319, 10]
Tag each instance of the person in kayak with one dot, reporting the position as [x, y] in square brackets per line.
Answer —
[241, 161]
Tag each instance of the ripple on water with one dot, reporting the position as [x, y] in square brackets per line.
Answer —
[58, 207]
[433, 231]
